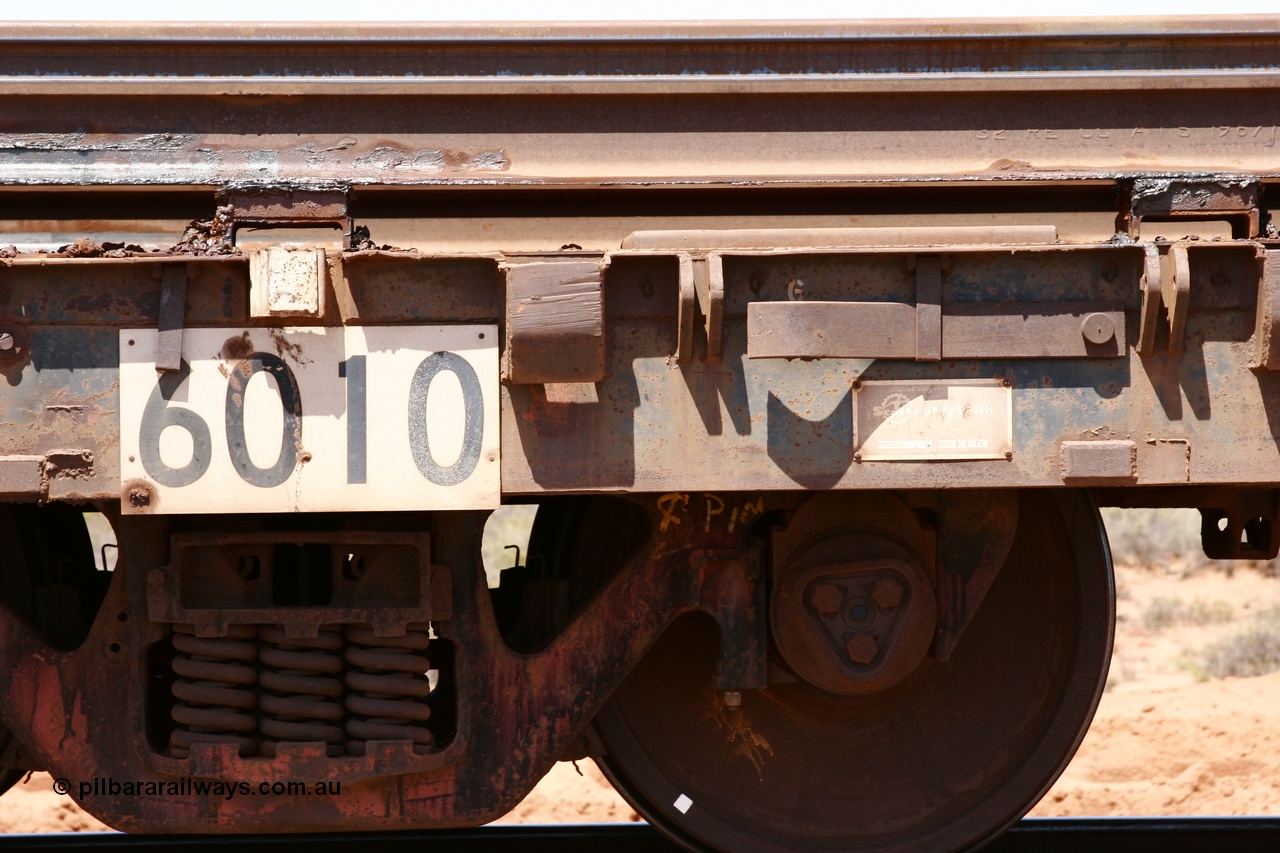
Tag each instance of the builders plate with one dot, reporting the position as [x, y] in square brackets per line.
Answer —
[311, 419]
[956, 419]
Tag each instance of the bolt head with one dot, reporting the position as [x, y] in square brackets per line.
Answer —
[140, 497]
[887, 593]
[1098, 328]
[863, 648]
[826, 598]
[6, 342]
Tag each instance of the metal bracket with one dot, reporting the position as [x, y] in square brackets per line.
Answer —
[1175, 293]
[214, 581]
[701, 293]
[686, 310]
[277, 207]
[1149, 319]
[287, 282]
[928, 308]
[733, 593]
[554, 321]
[1164, 200]
[173, 305]
[975, 535]
[708, 282]
[1242, 524]
[1267, 337]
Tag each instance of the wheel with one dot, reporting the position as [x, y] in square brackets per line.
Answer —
[10, 773]
[943, 758]
[50, 579]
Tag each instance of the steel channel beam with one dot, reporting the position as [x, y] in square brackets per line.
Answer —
[651, 425]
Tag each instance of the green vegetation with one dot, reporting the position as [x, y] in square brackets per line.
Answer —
[1252, 651]
[1154, 536]
[1164, 612]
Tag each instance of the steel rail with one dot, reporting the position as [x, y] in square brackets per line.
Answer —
[699, 84]
[600, 105]
[708, 57]
[1044, 28]
[1031, 835]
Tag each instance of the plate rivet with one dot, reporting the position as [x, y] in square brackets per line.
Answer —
[1098, 328]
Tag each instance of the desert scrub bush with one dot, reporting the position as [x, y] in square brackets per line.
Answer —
[1162, 612]
[1253, 651]
[1201, 612]
[1154, 536]
[1166, 537]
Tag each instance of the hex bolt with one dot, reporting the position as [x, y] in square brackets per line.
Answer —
[887, 593]
[140, 497]
[863, 648]
[826, 598]
[1098, 328]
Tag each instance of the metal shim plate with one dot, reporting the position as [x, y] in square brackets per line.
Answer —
[913, 421]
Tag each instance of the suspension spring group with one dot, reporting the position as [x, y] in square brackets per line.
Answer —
[302, 698]
[389, 679]
[257, 687]
[214, 689]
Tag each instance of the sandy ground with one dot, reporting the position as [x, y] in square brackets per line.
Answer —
[1162, 742]
[34, 807]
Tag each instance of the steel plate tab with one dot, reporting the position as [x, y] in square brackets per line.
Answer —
[946, 420]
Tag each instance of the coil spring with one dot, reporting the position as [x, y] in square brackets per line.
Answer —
[389, 683]
[214, 688]
[303, 675]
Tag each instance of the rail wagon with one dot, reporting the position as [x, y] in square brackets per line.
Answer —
[815, 346]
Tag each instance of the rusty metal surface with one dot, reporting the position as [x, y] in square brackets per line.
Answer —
[1099, 461]
[786, 423]
[748, 160]
[767, 104]
[831, 330]
[853, 610]
[1171, 200]
[975, 532]
[514, 713]
[913, 763]
[655, 425]
[554, 322]
[886, 330]
[831, 238]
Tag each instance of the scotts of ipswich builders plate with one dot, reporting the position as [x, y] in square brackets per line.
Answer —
[913, 421]
[311, 419]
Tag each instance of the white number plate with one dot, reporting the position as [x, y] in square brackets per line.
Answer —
[311, 419]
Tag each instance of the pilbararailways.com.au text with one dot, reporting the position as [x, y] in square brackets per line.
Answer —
[101, 786]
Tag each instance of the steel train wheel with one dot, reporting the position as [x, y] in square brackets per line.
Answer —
[943, 760]
[49, 578]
